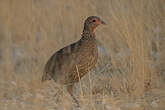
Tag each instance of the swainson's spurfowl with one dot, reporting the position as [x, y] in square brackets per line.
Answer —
[69, 64]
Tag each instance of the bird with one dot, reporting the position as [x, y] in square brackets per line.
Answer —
[69, 64]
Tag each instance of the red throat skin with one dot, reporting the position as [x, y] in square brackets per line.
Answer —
[93, 28]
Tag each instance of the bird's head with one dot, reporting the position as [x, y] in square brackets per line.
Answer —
[92, 22]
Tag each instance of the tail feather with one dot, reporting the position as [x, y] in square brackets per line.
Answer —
[45, 77]
[46, 72]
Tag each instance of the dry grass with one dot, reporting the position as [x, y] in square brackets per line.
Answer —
[130, 74]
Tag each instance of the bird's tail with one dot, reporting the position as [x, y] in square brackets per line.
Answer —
[45, 77]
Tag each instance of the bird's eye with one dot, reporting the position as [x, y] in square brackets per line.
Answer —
[94, 20]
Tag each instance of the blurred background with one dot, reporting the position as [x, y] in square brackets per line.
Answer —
[130, 74]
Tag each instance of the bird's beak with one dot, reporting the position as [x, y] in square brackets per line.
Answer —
[102, 22]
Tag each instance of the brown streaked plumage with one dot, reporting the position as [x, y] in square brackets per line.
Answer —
[68, 65]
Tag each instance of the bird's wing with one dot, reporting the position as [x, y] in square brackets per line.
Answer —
[61, 62]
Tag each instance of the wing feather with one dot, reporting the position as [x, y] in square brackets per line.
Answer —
[61, 62]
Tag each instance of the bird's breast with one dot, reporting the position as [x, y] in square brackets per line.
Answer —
[89, 55]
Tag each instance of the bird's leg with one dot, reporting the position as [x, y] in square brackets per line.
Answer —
[70, 90]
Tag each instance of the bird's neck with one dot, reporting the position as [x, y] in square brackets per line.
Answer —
[88, 33]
